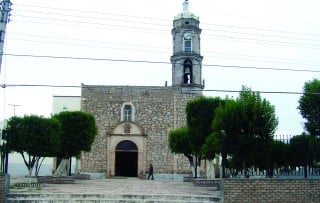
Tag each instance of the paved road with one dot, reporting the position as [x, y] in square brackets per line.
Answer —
[120, 186]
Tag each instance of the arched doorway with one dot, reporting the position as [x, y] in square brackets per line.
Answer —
[126, 163]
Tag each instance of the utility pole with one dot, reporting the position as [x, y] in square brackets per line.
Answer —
[5, 8]
[14, 108]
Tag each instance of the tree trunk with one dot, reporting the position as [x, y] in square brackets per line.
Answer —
[62, 168]
[210, 169]
[196, 167]
[77, 169]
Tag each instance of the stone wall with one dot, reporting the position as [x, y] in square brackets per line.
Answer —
[2, 188]
[157, 111]
[272, 190]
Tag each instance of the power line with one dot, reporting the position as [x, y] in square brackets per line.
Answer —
[163, 19]
[142, 48]
[266, 41]
[92, 23]
[166, 25]
[135, 49]
[265, 68]
[260, 59]
[83, 40]
[263, 29]
[156, 49]
[95, 18]
[162, 30]
[93, 12]
[39, 85]
[160, 62]
[258, 91]
[277, 42]
[262, 35]
[148, 29]
[88, 58]
[191, 91]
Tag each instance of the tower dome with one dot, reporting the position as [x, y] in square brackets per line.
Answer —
[186, 59]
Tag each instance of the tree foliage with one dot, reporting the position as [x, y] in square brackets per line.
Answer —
[211, 147]
[309, 106]
[200, 113]
[78, 132]
[34, 138]
[227, 125]
[189, 140]
[246, 125]
[301, 150]
[179, 143]
[259, 123]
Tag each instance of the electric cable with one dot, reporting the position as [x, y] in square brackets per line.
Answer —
[160, 62]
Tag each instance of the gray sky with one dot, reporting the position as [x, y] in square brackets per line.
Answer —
[276, 34]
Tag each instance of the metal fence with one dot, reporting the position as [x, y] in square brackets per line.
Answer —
[303, 160]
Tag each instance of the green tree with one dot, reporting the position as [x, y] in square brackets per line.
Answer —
[309, 106]
[179, 143]
[78, 132]
[259, 123]
[34, 138]
[245, 127]
[276, 156]
[200, 113]
[303, 151]
[227, 127]
[211, 147]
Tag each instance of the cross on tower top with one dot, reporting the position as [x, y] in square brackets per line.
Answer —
[186, 6]
[186, 13]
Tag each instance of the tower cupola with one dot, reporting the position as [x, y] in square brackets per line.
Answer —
[186, 59]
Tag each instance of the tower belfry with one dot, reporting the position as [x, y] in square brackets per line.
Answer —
[186, 59]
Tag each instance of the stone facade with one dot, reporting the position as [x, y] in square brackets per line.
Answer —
[156, 111]
[134, 121]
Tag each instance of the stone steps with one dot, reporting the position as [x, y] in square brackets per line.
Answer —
[100, 198]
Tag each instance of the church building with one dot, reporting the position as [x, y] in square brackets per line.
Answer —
[134, 121]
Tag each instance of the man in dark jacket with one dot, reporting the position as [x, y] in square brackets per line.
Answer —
[150, 172]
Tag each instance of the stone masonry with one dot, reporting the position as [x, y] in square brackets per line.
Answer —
[157, 110]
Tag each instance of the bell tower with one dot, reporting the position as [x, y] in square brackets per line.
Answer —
[186, 59]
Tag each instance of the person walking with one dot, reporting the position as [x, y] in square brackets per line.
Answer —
[150, 172]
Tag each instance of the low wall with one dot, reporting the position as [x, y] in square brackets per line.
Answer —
[271, 190]
[2, 188]
[56, 180]
[207, 183]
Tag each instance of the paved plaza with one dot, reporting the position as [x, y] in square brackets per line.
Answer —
[133, 186]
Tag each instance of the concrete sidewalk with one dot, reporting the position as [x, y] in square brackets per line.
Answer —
[114, 186]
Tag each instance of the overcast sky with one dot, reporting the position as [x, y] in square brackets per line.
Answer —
[248, 42]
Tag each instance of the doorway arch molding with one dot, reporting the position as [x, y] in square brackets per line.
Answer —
[139, 139]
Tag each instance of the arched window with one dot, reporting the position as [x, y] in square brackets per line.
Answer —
[187, 71]
[187, 45]
[127, 112]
